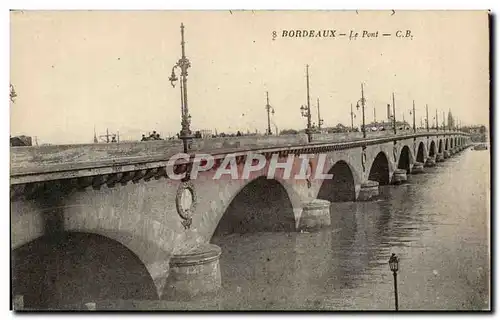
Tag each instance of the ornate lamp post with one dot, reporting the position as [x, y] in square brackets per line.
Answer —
[363, 101]
[183, 64]
[306, 110]
[413, 112]
[352, 119]
[320, 121]
[394, 113]
[394, 266]
[444, 122]
[437, 121]
[427, 117]
[269, 111]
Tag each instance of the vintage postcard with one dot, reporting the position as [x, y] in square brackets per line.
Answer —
[250, 160]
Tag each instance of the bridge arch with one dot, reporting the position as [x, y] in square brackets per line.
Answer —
[446, 145]
[341, 187]
[421, 153]
[147, 236]
[78, 267]
[404, 161]
[440, 148]
[260, 205]
[379, 170]
[432, 149]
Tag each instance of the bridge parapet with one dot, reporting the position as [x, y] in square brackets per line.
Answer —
[35, 164]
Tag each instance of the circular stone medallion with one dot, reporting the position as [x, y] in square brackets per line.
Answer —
[185, 200]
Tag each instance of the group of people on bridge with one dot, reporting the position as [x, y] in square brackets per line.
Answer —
[152, 136]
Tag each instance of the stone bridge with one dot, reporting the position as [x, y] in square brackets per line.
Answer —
[107, 221]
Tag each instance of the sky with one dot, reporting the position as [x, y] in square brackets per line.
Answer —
[74, 71]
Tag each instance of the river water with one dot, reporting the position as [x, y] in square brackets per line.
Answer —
[438, 225]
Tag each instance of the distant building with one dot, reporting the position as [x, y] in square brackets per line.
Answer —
[20, 141]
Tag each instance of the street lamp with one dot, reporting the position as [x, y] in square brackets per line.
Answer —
[270, 110]
[352, 119]
[412, 112]
[437, 121]
[394, 266]
[306, 110]
[444, 122]
[394, 113]
[363, 101]
[306, 113]
[276, 130]
[320, 121]
[427, 117]
[183, 64]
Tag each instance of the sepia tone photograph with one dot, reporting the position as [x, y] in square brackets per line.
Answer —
[250, 160]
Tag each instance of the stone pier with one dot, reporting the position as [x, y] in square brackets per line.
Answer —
[194, 273]
[315, 215]
[368, 191]
[418, 167]
[439, 157]
[430, 162]
[399, 176]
